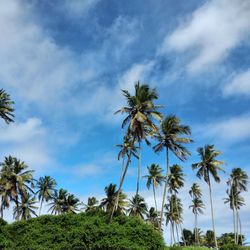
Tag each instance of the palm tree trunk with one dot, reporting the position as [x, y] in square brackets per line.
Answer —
[195, 229]
[154, 197]
[122, 169]
[165, 188]
[240, 235]
[121, 182]
[234, 224]
[173, 232]
[177, 233]
[139, 171]
[237, 226]
[171, 235]
[212, 213]
[41, 206]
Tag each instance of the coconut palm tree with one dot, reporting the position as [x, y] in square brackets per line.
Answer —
[137, 206]
[175, 182]
[46, 186]
[58, 201]
[154, 178]
[153, 217]
[140, 111]
[6, 108]
[171, 139]
[108, 202]
[71, 204]
[208, 168]
[15, 179]
[91, 205]
[197, 208]
[237, 183]
[173, 212]
[195, 191]
[26, 208]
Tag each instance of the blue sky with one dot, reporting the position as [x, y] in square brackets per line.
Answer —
[65, 62]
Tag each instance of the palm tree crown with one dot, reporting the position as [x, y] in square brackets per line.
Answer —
[6, 109]
[137, 206]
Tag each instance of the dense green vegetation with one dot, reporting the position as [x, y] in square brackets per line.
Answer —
[107, 224]
[80, 231]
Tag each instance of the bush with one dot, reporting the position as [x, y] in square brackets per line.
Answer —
[234, 247]
[79, 232]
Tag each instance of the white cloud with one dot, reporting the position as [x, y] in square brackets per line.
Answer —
[213, 30]
[26, 141]
[240, 85]
[78, 8]
[230, 130]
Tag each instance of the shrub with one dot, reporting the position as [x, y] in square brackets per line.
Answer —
[79, 232]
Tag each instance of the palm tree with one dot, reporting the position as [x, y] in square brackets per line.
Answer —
[58, 201]
[208, 168]
[140, 112]
[171, 139]
[71, 204]
[195, 191]
[15, 178]
[26, 208]
[197, 208]
[153, 217]
[175, 182]
[237, 183]
[108, 202]
[173, 215]
[91, 205]
[137, 207]
[154, 178]
[6, 109]
[46, 186]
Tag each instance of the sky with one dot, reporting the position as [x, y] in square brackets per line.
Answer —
[64, 64]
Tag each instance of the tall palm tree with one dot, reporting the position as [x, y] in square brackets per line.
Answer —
[58, 201]
[140, 111]
[237, 183]
[108, 202]
[153, 217]
[137, 206]
[197, 208]
[171, 139]
[46, 186]
[26, 208]
[195, 191]
[15, 179]
[208, 168]
[154, 178]
[175, 182]
[6, 108]
[173, 212]
[91, 205]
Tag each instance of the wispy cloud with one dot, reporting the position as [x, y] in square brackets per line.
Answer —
[211, 32]
[239, 85]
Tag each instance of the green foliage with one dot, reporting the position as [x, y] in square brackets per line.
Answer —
[79, 232]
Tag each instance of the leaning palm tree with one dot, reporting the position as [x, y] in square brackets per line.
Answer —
[140, 111]
[197, 208]
[208, 168]
[154, 178]
[137, 207]
[46, 186]
[6, 108]
[108, 202]
[171, 139]
[15, 179]
[26, 208]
